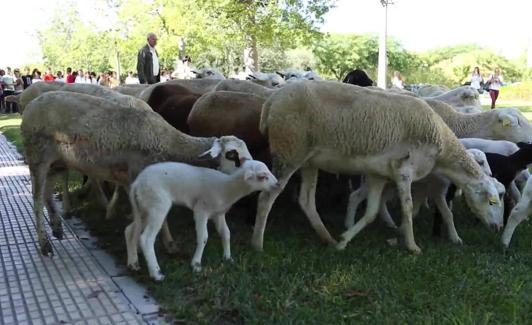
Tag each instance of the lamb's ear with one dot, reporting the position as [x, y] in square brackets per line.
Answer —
[214, 151]
[249, 174]
[506, 119]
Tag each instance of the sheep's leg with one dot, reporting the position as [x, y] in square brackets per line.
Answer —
[38, 182]
[447, 217]
[155, 217]
[519, 214]
[266, 200]
[51, 206]
[515, 194]
[225, 235]
[110, 207]
[355, 198]
[66, 195]
[132, 245]
[375, 186]
[404, 188]
[202, 235]
[100, 192]
[307, 201]
[385, 214]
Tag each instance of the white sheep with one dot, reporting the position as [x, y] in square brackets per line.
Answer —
[209, 193]
[266, 79]
[459, 97]
[497, 124]
[519, 213]
[208, 73]
[342, 128]
[433, 187]
[64, 130]
[431, 90]
[245, 87]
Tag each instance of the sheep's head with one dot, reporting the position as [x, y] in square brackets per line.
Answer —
[258, 176]
[270, 80]
[208, 73]
[480, 158]
[230, 152]
[510, 125]
[469, 97]
[484, 199]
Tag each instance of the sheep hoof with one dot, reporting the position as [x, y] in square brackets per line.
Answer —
[341, 245]
[414, 249]
[159, 277]
[196, 267]
[457, 241]
[257, 245]
[229, 260]
[58, 233]
[134, 266]
[172, 248]
[46, 248]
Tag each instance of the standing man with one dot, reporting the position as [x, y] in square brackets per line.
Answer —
[148, 62]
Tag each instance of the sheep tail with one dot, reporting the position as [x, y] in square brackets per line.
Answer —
[263, 125]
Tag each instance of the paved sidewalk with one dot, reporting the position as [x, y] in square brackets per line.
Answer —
[80, 284]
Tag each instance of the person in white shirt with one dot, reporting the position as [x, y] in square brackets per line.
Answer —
[131, 79]
[495, 82]
[60, 77]
[80, 78]
[397, 80]
[476, 80]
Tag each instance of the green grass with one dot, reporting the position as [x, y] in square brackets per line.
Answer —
[10, 127]
[298, 280]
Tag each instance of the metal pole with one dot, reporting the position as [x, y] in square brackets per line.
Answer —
[381, 75]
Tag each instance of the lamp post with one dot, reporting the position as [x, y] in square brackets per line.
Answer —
[381, 74]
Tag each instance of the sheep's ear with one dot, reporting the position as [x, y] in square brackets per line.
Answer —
[506, 121]
[249, 174]
[214, 151]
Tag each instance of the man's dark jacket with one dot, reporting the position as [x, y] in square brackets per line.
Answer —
[145, 66]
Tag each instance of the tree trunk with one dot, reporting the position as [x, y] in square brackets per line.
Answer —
[251, 55]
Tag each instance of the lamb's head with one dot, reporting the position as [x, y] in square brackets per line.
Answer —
[484, 200]
[208, 73]
[510, 125]
[480, 158]
[311, 75]
[258, 176]
[230, 151]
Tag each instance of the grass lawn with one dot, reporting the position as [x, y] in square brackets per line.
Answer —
[10, 127]
[298, 280]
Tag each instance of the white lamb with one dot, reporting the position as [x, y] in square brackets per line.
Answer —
[519, 213]
[209, 193]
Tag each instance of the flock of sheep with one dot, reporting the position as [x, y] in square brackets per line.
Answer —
[162, 142]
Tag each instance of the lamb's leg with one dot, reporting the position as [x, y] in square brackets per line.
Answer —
[110, 207]
[375, 186]
[168, 241]
[132, 234]
[447, 217]
[266, 200]
[202, 235]
[155, 216]
[38, 182]
[307, 201]
[51, 206]
[404, 185]
[355, 198]
[225, 235]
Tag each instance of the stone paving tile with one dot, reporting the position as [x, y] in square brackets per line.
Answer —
[69, 288]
